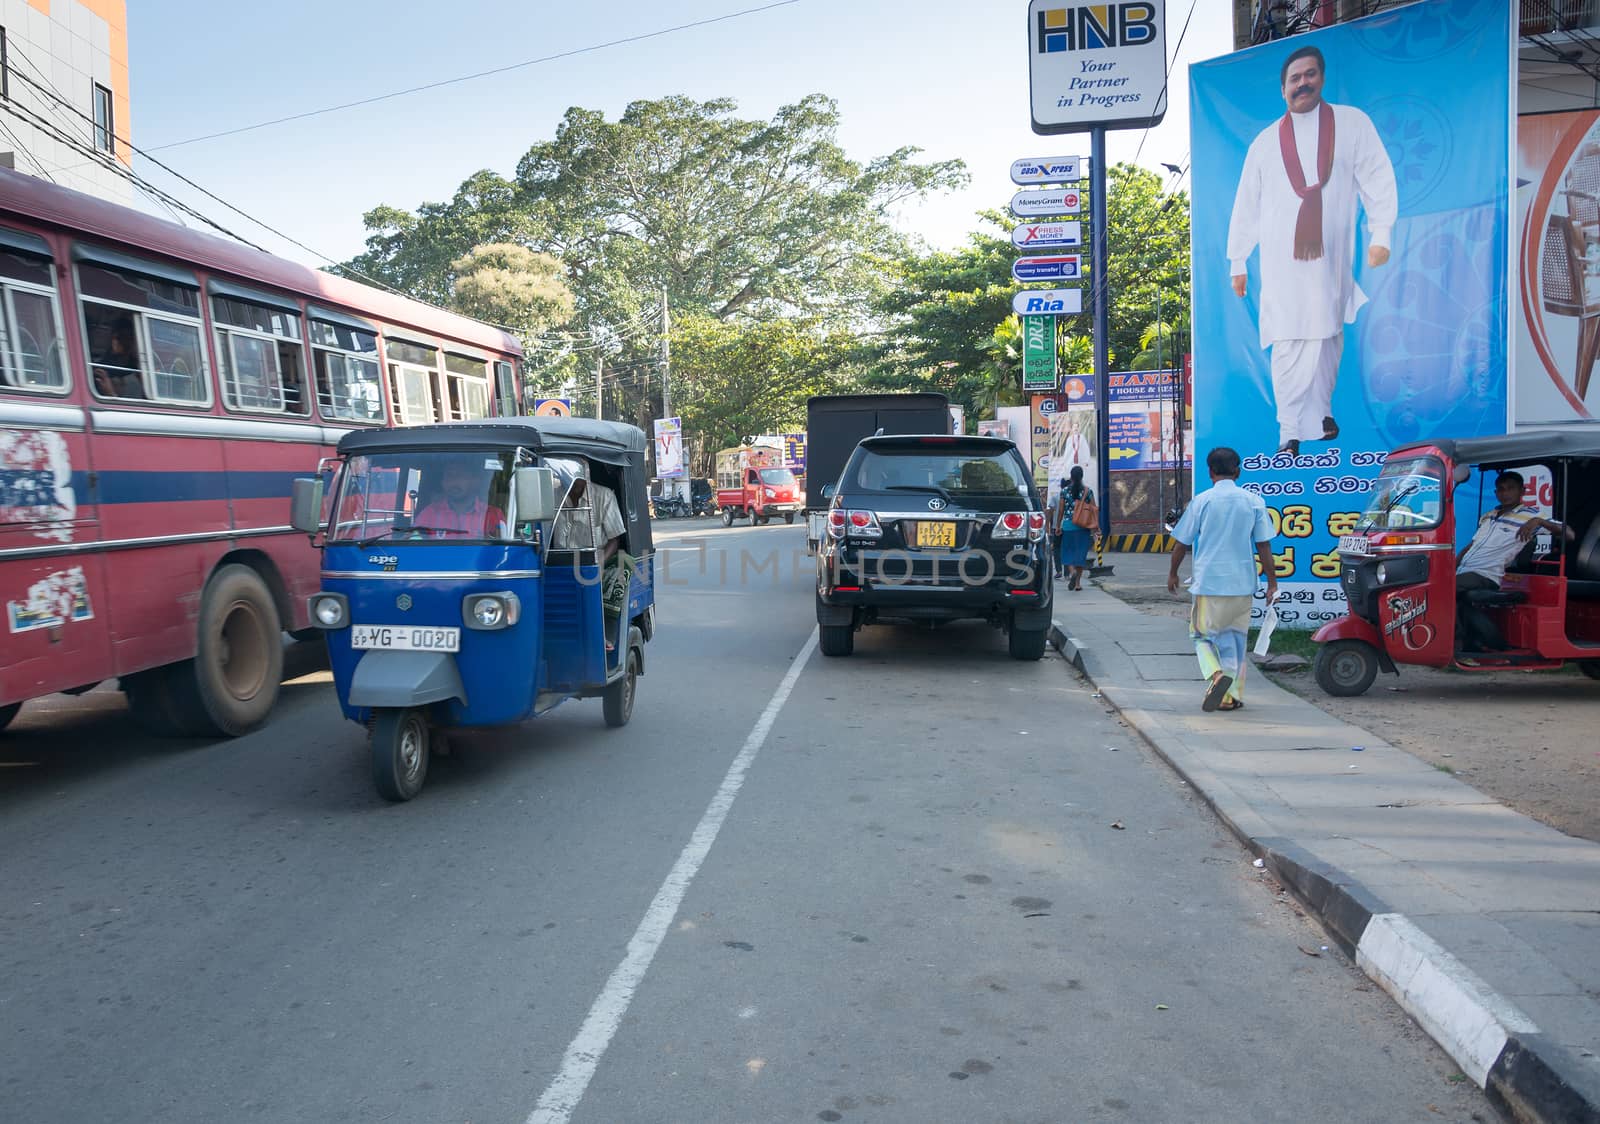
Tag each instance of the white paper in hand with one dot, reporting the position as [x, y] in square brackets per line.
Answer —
[1269, 625]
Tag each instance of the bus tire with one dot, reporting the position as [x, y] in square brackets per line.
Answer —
[239, 664]
[399, 753]
[617, 702]
[1591, 668]
[7, 713]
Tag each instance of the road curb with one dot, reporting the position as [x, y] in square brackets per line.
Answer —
[1525, 1074]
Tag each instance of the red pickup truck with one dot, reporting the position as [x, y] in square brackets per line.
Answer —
[753, 482]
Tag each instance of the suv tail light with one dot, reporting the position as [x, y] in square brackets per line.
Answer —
[1011, 525]
[863, 525]
[1035, 526]
[836, 523]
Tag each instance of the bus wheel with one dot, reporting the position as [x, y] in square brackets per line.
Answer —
[240, 662]
[1591, 668]
[7, 713]
[399, 753]
[1346, 668]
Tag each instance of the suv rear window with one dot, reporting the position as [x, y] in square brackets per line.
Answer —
[954, 473]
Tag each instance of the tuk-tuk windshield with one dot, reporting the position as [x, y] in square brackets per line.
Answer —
[1408, 493]
[424, 496]
[777, 477]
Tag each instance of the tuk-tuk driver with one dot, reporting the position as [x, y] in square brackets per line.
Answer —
[1502, 534]
[461, 508]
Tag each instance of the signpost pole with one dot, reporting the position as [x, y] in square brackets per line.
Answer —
[1102, 318]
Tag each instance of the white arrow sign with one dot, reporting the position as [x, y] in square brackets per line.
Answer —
[1041, 234]
[1048, 302]
[1056, 202]
[1045, 169]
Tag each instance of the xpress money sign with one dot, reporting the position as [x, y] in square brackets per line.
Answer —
[1097, 65]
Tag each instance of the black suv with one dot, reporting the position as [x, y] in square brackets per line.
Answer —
[934, 528]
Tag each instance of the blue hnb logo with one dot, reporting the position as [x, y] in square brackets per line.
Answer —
[1094, 26]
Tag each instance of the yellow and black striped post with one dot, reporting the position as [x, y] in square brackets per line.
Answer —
[1141, 544]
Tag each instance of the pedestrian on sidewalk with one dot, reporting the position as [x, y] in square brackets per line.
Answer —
[1228, 531]
[1073, 553]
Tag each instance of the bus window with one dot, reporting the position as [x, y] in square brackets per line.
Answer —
[348, 375]
[30, 324]
[411, 371]
[144, 336]
[260, 356]
[467, 383]
[506, 381]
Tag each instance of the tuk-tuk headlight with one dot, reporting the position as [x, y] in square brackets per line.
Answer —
[489, 611]
[1383, 573]
[330, 610]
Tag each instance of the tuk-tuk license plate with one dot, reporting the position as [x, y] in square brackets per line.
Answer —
[942, 534]
[403, 638]
[1355, 544]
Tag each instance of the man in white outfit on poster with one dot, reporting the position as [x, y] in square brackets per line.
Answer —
[1302, 179]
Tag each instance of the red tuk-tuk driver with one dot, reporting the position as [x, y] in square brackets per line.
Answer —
[1502, 534]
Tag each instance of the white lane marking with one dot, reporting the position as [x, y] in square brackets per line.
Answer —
[583, 1055]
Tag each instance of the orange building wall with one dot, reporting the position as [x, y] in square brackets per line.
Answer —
[115, 13]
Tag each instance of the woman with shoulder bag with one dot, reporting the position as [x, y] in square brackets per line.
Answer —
[1078, 517]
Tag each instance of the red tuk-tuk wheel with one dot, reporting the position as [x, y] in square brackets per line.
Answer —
[1346, 668]
[1591, 668]
[727, 517]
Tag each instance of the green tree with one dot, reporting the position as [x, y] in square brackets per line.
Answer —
[511, 285]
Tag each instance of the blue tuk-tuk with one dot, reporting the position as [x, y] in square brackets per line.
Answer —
[478, 574]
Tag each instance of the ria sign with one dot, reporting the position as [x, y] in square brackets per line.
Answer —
[1056, 267]
[1048, 302]
[1041, 203]
[1045, 169]
[1046, 234]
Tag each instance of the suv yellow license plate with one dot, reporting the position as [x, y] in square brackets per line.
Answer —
[404, 638]
[941, 534]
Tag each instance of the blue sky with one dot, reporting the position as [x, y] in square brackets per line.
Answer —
[948, 76]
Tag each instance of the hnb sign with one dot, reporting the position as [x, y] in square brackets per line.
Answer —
[1097, 65]
[1094, 27]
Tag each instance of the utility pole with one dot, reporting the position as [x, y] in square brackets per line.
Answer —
[1102, 321]
[666, 357]
[599, 386]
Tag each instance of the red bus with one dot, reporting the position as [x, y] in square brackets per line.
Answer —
[159, 390]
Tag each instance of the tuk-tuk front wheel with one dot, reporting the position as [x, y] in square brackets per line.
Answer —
[1346, 668]
[727, 517]
[617, 702]
[1591, 668]
[399, 753]
[788, 517]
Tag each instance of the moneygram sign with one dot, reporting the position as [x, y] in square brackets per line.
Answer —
[1097, 65]
[1038, 204]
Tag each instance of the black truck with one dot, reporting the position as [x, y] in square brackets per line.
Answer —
[836, 423]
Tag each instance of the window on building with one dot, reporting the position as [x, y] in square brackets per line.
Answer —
[467, 387]
[411, 382]
[346, 358]
[260, 355]
[30, 324]
[144, 336]
[105, 132]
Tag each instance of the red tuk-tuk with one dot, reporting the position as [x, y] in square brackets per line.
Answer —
[1398, 566]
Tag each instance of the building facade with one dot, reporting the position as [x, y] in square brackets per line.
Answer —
[64, 108]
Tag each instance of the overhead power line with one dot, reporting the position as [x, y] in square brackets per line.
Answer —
[573, 53]
[1166, 82]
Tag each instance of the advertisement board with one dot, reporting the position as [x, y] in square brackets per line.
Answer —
[669, 448]
[1097, 64]
[794, 453]
[1338, 316]
[1072, 442]
[1016, 420]
[552, 407]
[1558, 265]
[1039, 353]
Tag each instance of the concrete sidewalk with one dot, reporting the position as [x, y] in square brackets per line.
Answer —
[1483, 924]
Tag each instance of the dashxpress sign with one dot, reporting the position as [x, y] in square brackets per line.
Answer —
[1097, 64]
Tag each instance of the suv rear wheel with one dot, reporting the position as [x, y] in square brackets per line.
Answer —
[837, 639]
[1027, 643]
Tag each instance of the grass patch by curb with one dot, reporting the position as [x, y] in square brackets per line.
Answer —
[1290, 642]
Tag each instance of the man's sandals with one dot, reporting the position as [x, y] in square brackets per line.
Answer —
[1217, 691]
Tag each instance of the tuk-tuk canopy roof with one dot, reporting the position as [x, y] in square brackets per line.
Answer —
[1513, 448]
[610, 442]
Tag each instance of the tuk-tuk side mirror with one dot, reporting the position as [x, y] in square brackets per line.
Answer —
[305, 505]
[828, 490]
[535, 491]
[1461, 474]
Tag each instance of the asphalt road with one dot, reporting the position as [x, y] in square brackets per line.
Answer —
[895, 894]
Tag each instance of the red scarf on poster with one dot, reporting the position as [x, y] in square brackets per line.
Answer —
[1308, 224]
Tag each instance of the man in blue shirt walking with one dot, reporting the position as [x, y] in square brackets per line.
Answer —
[1228, 531]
